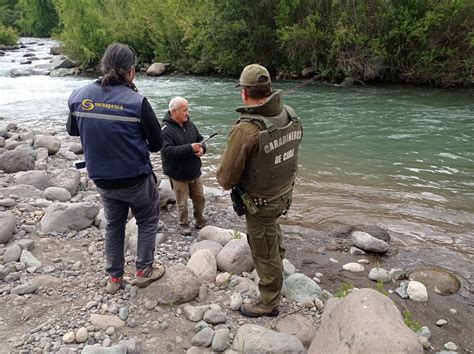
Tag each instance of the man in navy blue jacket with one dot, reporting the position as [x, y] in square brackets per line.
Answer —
[118, 129]
[181, 160]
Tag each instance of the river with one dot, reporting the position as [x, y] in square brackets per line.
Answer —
[396, 156]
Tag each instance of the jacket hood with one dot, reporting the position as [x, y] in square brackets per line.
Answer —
[271, 107]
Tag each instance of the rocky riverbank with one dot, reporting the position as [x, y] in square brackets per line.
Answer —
[52, 280]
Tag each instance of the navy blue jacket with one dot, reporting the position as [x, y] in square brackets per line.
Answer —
[177, 155]
[108, 121]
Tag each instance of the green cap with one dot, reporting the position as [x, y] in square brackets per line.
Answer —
[254, 75]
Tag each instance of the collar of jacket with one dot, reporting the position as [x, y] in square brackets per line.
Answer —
[271, 107]
[167, 119]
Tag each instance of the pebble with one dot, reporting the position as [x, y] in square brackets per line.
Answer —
[81, 335]
[363, 261]
[450, 346]
[441, 322]
[333, 260]
[353, 267]
[110, 331]
[453, 311]
[69, 337]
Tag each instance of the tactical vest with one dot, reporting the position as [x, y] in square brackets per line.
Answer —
[274, 167]
[110, 131]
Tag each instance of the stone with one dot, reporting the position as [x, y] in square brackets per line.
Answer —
[370, 311]
[244, 286]
[353, 267]
[417, 291]
[69, 337]
[441, 322]
[252, 338]
[301, 288]
[68, 179]
[156, 69]
[37, 179]
[450, 346]
[178, 285]
[397, 273]
[7, 226]
[57, 193]
[437, 279]
[32, 264]
[106, 321]
[64, 217]
[115, 349]
[217, 234]
[213, 316]
[299, 327]
[203, 338]
[356, 251]
[288, 268]
[203, 264]
[166, 192]
[22, 191]
[375, 231]
[213, 246]
[12, 254]
[368, 243]
[12, 161]
[195, 313]
[81, 335]
[220, 342]
[50, 142]
[235, 301]
[380, 274]
[235, 257]
[26, 288]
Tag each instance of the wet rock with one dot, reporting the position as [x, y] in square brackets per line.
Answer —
[368, 309]
[437, 279]
[374, 231]
[368, 243]
[17, 72]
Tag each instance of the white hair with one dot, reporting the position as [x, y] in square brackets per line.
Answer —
[176, 102]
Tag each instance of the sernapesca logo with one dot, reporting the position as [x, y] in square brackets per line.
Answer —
[87, 105]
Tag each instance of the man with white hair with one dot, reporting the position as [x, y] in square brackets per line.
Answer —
[181, 159]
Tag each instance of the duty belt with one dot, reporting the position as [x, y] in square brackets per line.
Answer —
[264, 201]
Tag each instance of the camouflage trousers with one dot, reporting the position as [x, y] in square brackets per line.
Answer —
[265, 240]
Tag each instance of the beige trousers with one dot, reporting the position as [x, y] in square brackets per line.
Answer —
[189, 189]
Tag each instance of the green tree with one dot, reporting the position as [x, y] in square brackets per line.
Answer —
[39, 17]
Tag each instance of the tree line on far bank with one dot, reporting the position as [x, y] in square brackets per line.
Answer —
[413, 41]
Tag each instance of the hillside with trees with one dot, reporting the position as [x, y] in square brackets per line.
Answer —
[412, 41]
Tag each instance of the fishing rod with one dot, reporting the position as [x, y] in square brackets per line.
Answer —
[306, 82]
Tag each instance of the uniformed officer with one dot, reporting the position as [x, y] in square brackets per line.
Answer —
[118, 129]
[261, 159]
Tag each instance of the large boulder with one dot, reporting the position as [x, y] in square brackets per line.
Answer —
[63, 217]
[22, 191]
[14, 161]
[298, 326]
[156, 69]
[365, 321]
[212, 246]
[235, 257]
[178, 285]
[7, 226]
[252, 338]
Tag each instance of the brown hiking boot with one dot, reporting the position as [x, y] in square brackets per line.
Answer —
[113, 285]
[200, 224]
[256, 308]
[149, 275]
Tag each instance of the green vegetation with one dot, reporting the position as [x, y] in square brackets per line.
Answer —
[414, 41]
[415, 326]
[236, 234]
[8, 36]
[344, 290]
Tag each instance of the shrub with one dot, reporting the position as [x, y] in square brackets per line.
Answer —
[8, 36]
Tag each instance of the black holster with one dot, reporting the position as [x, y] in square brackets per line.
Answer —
[237, 202]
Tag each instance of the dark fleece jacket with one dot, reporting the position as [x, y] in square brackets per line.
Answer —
[177, 155]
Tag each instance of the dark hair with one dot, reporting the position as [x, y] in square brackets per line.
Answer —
[117, 60]
[257, 92]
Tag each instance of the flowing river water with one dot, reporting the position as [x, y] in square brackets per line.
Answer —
[400, 157]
